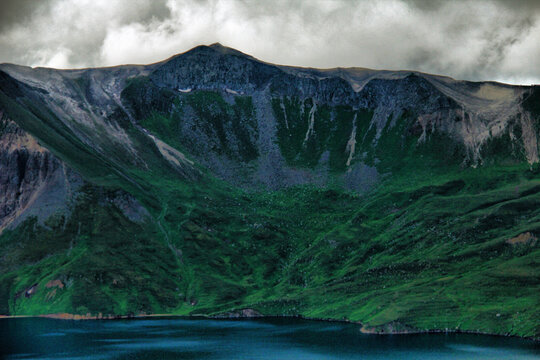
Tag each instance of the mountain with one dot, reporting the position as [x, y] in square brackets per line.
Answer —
[213, 183]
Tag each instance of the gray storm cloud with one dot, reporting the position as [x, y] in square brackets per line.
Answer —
[474, 40]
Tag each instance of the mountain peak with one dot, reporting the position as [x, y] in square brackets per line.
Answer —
[212, 49]
[217, 45]
[225, 50]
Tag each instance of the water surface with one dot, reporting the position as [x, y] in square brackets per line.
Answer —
[260, 339]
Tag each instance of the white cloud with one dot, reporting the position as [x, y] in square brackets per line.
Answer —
[481, 40]
[56, 59]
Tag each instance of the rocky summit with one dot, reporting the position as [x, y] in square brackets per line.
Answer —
[213, 183]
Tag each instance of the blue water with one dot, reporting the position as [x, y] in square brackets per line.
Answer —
[179, 338]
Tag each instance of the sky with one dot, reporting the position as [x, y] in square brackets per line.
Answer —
[470, 40]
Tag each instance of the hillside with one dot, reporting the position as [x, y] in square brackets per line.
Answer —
[213, 182]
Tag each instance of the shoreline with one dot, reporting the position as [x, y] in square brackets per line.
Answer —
[235, 316]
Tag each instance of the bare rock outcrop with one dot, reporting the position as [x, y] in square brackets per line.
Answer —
[33, 182]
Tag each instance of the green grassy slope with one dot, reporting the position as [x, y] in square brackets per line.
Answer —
[428, 253]
[433, 246]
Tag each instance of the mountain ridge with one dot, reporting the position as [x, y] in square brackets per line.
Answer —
[228, 50]
[500, 100]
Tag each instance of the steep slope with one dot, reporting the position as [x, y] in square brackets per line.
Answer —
[213, 182]
[33, 181]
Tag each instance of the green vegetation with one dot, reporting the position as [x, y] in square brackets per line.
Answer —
[196, 122]
[435, 245]
[429, 250]
[302, 143]
[532, 101]
[218, 118]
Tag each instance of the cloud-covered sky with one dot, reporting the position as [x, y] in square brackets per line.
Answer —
[474, 40]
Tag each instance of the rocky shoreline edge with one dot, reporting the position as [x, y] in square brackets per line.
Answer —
[393, 328]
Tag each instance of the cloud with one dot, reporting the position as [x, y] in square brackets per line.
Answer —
[480, 40]
[17, 11]
[75, 29]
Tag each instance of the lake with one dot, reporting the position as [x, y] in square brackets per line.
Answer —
[269, 338]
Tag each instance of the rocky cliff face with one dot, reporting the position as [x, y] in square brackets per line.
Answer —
[306, 121]
[250, 123]
[253, 123]
[33, 182]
